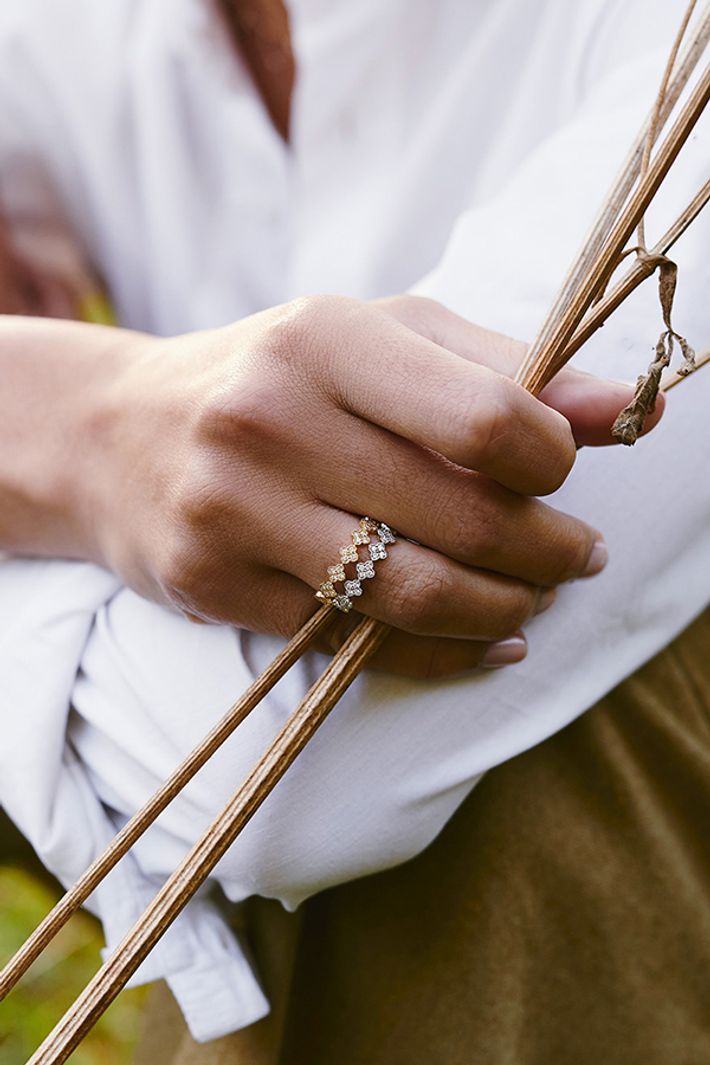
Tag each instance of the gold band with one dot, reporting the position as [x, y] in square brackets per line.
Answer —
[364, 568]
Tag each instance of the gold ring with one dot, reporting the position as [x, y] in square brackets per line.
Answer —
[364, 567]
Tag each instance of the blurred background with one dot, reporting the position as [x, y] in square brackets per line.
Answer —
[27, 892]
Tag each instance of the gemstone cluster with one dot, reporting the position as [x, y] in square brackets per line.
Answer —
[364, 568]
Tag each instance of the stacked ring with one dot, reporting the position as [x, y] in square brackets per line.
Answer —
[364, 568]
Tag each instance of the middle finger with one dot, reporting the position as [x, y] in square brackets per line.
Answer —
[457, 512]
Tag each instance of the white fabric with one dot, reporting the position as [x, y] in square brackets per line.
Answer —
[470, 142]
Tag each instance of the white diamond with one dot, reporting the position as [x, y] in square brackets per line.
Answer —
[337, 573]
[348, 554]
[343, 603]
[353, 588]
[377, 551]
[385, 534]
[361, 537]
[365, 570]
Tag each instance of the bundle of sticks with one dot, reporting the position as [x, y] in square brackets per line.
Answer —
[583, 303]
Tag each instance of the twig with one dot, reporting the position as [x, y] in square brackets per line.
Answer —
[656, 112]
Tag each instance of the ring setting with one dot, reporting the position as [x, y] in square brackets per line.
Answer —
[365, 569]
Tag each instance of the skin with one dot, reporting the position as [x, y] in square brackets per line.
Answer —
[219, 472]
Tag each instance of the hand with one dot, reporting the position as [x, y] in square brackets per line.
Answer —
[237, 461]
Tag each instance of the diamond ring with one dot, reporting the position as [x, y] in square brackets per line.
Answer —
[370, 534]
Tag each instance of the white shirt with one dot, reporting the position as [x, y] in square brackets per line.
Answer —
[468, 142]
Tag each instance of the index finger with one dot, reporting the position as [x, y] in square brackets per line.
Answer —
[382, 371]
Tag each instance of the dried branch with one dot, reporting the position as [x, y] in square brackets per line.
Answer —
[655, 120]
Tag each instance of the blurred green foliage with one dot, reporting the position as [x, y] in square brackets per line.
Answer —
[48, 988]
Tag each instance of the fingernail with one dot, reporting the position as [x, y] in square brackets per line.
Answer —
[545, 599]
[597, 559]
[505, 652]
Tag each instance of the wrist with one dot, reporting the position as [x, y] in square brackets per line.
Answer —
[56, 406]
[111, 450]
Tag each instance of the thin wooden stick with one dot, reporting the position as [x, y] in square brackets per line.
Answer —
[656, 112]
[134, 829]
[202, 858]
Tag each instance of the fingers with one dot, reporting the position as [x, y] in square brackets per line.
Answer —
[456, 512]
[279, 603]
[391, 376]
[429, 657]
[589, 403]
[416, 589]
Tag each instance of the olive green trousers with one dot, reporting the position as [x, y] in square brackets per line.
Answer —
[562, 916]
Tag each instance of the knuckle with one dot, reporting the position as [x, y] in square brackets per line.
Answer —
[204, 535]
[416, 597]
[475, 535]
[304, 323]
[512, 611]
[201, 507]
[181, 575]
[487, 420]
[572, 550]
[244, 416]
[562, 456]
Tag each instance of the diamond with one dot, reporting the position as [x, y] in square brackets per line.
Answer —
[353, 588]
[327, 590]
[337, 573]
[368, 524]
[377, 551]
[349, 553]
[361, 536]
[365, 570]
[385, 534]
[343, 603]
